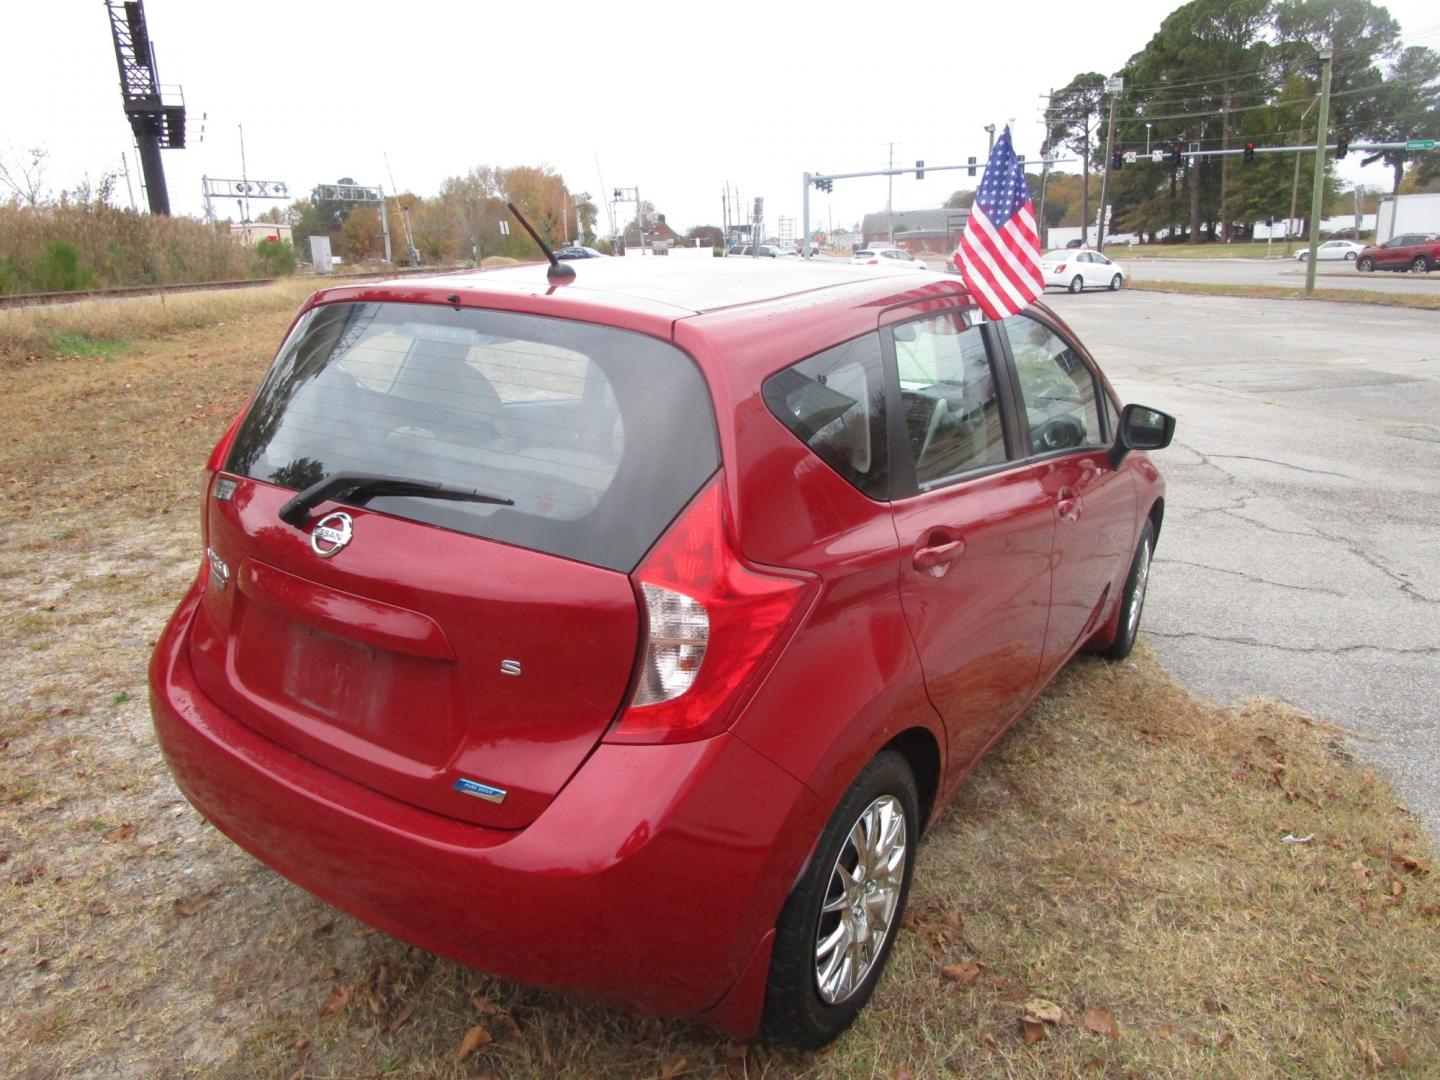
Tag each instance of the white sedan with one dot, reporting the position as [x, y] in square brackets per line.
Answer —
[892, 258]
[1077, 270]
[1333, 250]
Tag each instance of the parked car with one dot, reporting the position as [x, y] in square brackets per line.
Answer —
[765, 251]
[521, 609]
[1330, 250]
[1416, 252]
[579, 251]
[1076, 243]
[1080, 270]
[892, 258]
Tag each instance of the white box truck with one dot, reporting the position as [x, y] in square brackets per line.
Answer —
[1407, 214]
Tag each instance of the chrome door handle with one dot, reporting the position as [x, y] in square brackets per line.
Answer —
[935, 559]
[1067, 505]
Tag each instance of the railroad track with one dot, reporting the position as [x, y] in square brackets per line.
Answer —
[18, 300]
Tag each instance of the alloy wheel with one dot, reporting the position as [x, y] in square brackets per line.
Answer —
[1137, 595]
[861, 900]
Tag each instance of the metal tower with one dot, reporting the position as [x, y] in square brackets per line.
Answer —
[156, 117]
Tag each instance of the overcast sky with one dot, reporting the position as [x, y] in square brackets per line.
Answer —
[675, 98]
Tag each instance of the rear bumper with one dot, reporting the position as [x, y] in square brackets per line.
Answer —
[652, 879]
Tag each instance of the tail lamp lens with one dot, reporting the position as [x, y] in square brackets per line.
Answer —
[679, 631]
[713, 627]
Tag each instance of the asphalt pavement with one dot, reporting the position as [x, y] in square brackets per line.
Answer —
[1300, 555]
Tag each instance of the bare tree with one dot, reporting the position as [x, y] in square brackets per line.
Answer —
[24, 174]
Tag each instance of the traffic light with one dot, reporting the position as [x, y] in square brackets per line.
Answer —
[1342, 148]
[1117, 160]
[919, 170]
[1249, 153]
[971, 171]
[618, 194]
[1175, 152]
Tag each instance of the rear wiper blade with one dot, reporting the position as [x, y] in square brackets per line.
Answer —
[358, 488]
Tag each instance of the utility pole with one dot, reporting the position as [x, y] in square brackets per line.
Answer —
[1113, 87]
[889, 192]
[1317, 195]
[1295, 190]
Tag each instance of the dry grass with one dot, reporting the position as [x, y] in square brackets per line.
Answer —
[1122, 851]
[1279, 292]
[1248, 249]
[99, 327]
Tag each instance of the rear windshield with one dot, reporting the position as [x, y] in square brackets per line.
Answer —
[599, 436]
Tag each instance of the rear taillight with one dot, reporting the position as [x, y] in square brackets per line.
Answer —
[213, 466]
[713, 626]
[873, 262]
[1060, 269]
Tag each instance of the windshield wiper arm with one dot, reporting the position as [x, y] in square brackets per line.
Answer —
[358, 488]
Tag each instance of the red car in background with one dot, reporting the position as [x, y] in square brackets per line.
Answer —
[625, 635]
[1417, 252]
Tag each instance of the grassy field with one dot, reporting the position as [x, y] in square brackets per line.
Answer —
[1424, 301]
[1122, 856]
[1248, 249]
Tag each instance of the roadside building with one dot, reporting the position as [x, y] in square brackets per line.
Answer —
[251, 233]
[920, 232]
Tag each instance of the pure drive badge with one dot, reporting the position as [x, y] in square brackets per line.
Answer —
[480, 791]
[331, 533]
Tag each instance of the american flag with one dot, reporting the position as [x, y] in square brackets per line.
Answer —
[999, 254]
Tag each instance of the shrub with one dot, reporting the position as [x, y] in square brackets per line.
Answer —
[274, 258]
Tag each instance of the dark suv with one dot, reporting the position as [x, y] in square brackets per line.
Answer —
[1417, 252]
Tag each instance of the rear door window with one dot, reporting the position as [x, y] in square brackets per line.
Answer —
[597, 436]
[953, 414]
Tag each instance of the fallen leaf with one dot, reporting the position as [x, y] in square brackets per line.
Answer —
[119, 833]
[302, 1043]
[1373, 1061]
[1362, 873]
[404, 1014]
[1101, 1022]
[965, 974]
[98, 907]
[1398, 1056]
[1032, 1030]
[1397, 887]
[323, 929]
[1226, 1040]
[298, 1074]
[1164, 1031]
[1044, 1010]
[1409, 864]
[189, 906]
[900, 1072]
[485, 1006]
[475, 1038]
[1213, 1006]
[674, 1069]
[340, 995]
[989, 1041]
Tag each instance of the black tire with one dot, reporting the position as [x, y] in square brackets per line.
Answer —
[1420, 265]
[1077, 283]
[1349, 256]
[795, 1012]
[1115, 283]
[1304, 256]
[1128, 628]
[1365, 264]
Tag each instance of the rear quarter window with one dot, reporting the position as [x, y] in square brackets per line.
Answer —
[598, 436]
[834, 402]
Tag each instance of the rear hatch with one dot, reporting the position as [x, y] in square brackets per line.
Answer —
[463, 649]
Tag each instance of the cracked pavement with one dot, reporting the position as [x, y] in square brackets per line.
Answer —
[1300, 553]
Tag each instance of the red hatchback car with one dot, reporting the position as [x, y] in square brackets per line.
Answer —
[624, 635]
[1417, 252]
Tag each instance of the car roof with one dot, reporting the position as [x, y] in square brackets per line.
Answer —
[674, 287]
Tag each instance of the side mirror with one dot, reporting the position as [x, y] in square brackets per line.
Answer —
[1141, 428]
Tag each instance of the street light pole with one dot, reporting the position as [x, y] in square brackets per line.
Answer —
[990, 130]
[1316, 195]
[1147, 138]
[1113, 87]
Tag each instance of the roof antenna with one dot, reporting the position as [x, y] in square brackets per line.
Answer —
[558, 271]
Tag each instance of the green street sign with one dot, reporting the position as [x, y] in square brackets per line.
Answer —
[1420, 144]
